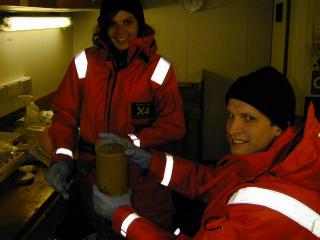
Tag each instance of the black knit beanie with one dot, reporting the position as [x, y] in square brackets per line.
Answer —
[109, 9]
[268, 91]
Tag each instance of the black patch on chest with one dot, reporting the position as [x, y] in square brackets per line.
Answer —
[142, 110]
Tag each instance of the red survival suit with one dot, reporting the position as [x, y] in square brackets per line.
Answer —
[141, 100]
[268, 195]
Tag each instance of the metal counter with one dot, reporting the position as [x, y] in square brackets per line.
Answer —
[24, 208]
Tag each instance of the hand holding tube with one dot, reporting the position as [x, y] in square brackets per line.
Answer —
[110, 138]
[105, 205]
[135, 154]
[138, 156]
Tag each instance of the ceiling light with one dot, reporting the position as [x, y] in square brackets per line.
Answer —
[32, 23]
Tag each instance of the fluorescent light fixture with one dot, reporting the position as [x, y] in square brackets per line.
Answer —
[32, 23]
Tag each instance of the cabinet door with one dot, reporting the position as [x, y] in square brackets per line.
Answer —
[29, 3]
[39, 3]
[54, 3]
[78, 3]
[12, 3]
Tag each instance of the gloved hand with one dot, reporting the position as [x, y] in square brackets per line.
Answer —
[105, 205]
[57, 174]
[135, 154]
[110, 138]
[139, 156]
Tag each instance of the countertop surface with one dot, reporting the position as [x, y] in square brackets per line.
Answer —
[21, 205]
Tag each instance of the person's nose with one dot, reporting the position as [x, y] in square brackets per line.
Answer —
[234, 125]
[120, 29]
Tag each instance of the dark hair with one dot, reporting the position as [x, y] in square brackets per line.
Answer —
[108, 9]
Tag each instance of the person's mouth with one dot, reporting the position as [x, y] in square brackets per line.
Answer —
[238, 142]
[122, 40]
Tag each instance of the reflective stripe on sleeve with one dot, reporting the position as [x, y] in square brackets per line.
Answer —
[168, 170]
[136, 141]
[126, 223]
[65, 152]
[288, 206]
[177, 232]
[161, 71]
[81, 63]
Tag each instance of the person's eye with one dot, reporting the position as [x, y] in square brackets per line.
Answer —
[248, 118]
[230, 115]
[127, 22]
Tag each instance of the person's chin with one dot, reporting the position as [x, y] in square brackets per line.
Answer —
[238, 150]
[122, 47]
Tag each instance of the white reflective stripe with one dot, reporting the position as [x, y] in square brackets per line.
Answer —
[136, 141]
[177, 232]
[168, 170]
[126, 223]
[64, 151]
[81, 64]
[161, 71]
[279, 202]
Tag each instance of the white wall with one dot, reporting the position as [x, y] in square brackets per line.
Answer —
[229, 38]
[83, 28]
[42, 55]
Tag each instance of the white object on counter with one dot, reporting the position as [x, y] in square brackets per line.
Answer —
[46, 116]
[32, 110]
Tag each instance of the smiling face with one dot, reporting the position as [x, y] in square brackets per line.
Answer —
[248, 130]
[123, 28]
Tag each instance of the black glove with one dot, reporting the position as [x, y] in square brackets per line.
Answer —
[110, 138]
[57, 174]
[138, 156]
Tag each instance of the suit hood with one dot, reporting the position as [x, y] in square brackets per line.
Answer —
[302, 165]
